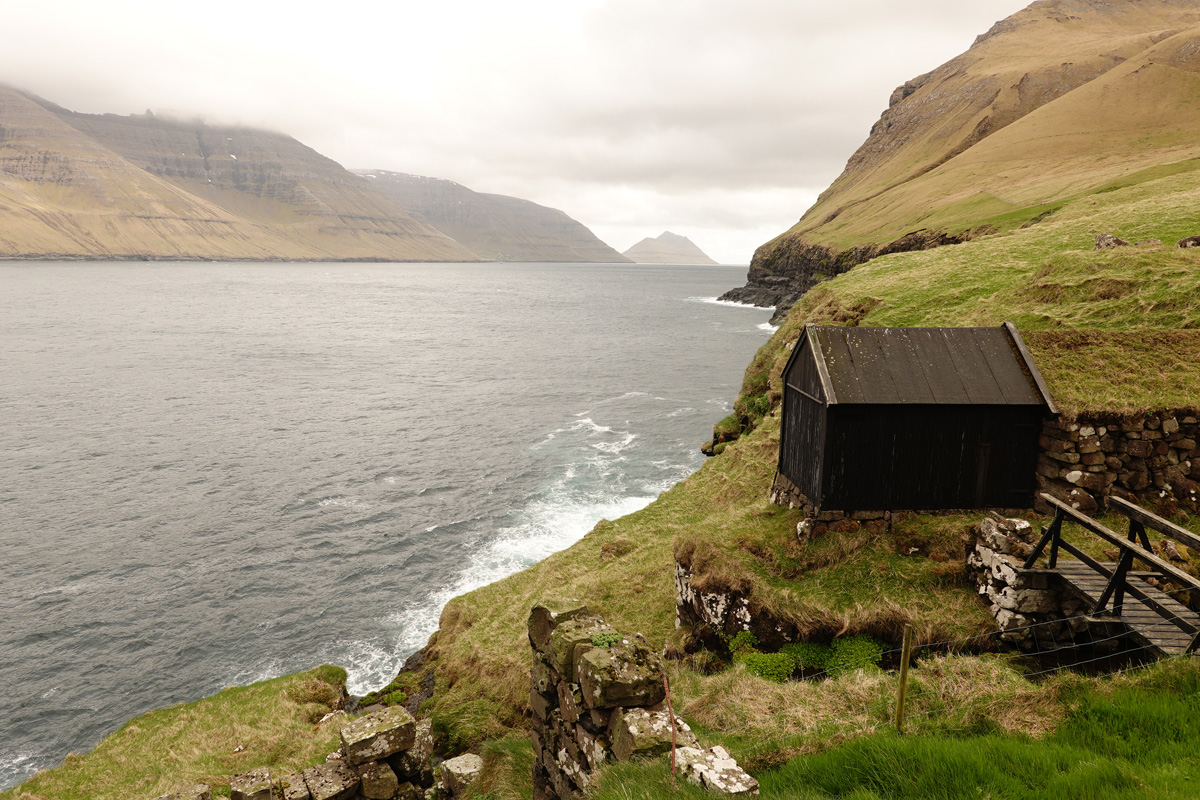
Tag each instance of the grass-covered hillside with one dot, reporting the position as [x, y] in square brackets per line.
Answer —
[279, 723]
[1059, 99]
[1112, 331]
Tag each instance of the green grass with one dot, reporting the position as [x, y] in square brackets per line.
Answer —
[1130, 736]
[1113, 332]
[266, 724]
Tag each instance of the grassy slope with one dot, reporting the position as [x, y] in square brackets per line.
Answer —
[1085, 119]
[1129, 737]
[1045, 277]
[241, 728]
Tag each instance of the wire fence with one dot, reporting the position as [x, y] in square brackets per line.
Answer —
[932, 681]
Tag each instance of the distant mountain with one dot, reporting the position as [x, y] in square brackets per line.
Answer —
[106, 186]
[668, 248]
[494, 226]
[1061, 99]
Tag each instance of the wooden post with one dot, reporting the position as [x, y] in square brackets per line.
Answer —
[671, 713]
[905, 657]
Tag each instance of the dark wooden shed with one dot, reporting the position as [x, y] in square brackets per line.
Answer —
[878, 419]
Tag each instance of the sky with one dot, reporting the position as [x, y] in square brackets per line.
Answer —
[718, 120]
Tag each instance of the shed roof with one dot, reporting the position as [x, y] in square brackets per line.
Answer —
[933, 366]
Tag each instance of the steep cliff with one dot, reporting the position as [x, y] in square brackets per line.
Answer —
[1062, 98]
[105, 186]
[667, 248]
[494, 226]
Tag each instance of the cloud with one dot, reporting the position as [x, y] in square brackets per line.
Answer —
[688, 115]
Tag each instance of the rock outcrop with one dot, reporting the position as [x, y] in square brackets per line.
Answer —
[667, 248]
[494, 226]
[598, 696]
[385, 755]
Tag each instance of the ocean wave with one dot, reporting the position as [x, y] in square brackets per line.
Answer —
[714, 301]
[16, 769]
[768, 327]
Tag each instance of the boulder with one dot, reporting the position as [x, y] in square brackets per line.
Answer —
[293, 787]
[571, 639]
[200, 791]
[460, 772]
[716, 771]
[409, 791]
[252, 785]
[639, 732]
[546, 615]
[629, 673]
[378, 735]
[378, 781]
[334, 780]
[1106, 241]
[414, 764]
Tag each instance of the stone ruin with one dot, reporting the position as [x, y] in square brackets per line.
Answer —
[1019, 597]
[597, 696]
[385, 755]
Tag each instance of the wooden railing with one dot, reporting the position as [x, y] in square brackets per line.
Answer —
[1135, 545]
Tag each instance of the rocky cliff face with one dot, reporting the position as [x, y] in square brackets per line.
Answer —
[667, 248]
[494, 226]
[993, 137]
[105, 186]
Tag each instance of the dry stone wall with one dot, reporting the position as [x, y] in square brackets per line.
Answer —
[597, 696]
[384, 755]
[1153, 457]
[1030, 610]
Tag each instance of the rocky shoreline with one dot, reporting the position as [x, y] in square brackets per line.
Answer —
[783, 270]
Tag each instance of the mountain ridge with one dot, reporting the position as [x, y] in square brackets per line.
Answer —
[105, 186]
[494, 226]
[1030, 115]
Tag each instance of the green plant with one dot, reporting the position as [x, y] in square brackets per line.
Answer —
[853, 652]
[606, 639]
[743, 642]
[776, 667]
[808, 655]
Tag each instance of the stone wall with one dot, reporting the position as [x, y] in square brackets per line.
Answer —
[1152, 457]
[385, 755]
[1029, 609]
[598, 696]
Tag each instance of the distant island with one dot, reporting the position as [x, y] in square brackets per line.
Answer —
[668, 248]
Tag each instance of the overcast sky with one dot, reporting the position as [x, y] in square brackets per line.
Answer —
[715, 119]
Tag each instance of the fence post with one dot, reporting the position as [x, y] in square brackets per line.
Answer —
[671, 714]
[905, 656]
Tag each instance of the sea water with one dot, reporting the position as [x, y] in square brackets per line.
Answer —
[218, 473]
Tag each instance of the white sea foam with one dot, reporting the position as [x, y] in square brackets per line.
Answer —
[768, 327]
[345, 502]
[15, 769]
[714, 301]
[593, 485]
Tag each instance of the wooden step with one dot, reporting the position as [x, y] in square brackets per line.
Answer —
[1144, 621]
